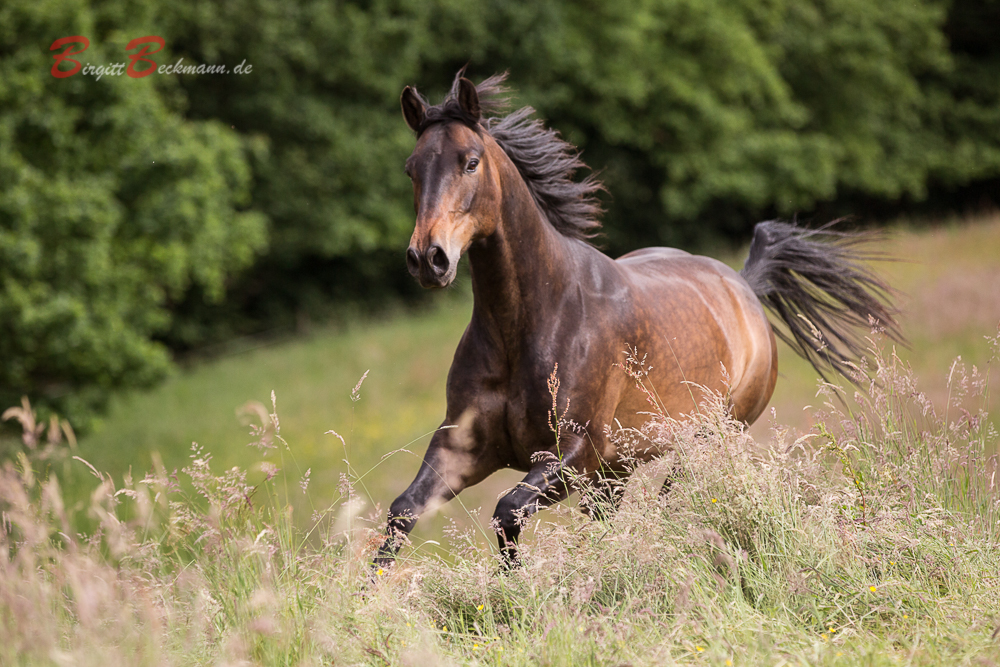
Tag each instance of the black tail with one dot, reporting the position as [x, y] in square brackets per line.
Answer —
[814, 280]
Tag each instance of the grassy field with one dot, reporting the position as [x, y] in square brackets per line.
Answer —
[949, 279]
[876, 544]
[401, 402]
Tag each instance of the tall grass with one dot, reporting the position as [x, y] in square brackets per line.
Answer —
[874, 538]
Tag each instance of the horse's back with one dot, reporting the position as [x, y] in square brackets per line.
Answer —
[707, 317]
[651, 254]
[658, 269]
[664, 261]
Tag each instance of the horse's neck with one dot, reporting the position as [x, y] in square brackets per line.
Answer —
[521, 267]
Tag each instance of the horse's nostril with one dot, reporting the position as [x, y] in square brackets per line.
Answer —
[412, 261]
[438, 258]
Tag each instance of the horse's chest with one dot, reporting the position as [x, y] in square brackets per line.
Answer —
[527, 418]
[512, 395]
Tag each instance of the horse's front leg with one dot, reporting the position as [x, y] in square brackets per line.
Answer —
[545, 484]
[450, 465]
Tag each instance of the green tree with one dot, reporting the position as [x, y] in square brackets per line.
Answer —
[701, 115]
[708, 114]
[112, 206]
[126, 206]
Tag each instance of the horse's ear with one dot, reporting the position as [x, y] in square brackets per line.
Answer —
[413, 108]
[468, 98]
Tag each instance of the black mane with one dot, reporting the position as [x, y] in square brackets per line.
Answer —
[545, 161]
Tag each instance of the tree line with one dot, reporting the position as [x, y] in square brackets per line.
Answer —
[143, 216]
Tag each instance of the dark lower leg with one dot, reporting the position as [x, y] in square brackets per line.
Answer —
[542, 487]
[442, 475]
[403, 515]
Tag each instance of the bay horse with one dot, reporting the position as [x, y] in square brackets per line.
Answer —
[501, 189]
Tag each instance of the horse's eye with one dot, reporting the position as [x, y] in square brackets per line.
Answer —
[473, 163]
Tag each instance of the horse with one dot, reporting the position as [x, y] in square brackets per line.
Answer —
[501, 189]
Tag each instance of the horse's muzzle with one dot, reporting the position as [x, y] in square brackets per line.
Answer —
[432, 269]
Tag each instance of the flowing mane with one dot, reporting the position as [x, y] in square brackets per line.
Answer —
[545, 161]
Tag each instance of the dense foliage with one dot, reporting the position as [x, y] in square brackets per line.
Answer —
[701, 117]
[112, 205]
[129, 207]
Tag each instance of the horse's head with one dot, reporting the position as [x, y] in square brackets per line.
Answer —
[455, 191]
